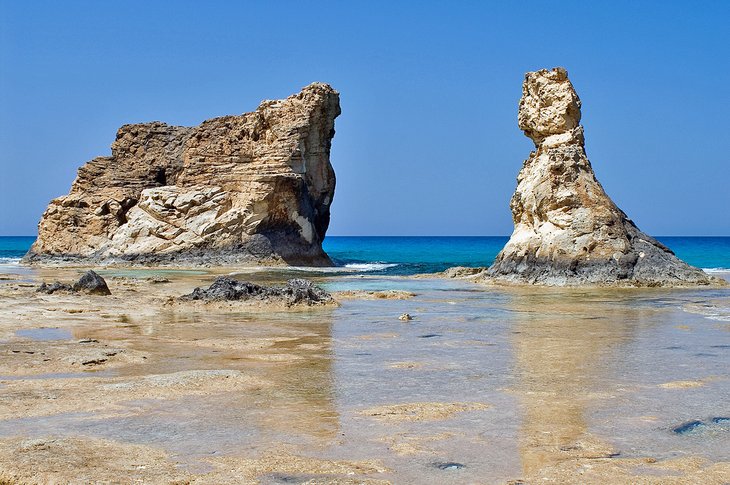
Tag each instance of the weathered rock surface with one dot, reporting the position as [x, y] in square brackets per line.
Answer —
[296, 292]
[235, 189]
[55, 287]
[462, 272]
[567, 230]
[90, 282]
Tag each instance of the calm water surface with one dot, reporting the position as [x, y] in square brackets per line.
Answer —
[555, 367]
[624, 368]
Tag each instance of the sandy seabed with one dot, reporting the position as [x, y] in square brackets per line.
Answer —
[484, 385]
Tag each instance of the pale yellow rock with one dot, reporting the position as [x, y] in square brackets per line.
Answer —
[250, 188]
[567, 231]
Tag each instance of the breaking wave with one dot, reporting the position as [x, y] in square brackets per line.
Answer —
[349, 268]
[370, 266]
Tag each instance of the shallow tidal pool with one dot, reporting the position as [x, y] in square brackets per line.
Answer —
[484, 385]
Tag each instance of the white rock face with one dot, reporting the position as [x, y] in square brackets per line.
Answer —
[167, 219]
[567, 230]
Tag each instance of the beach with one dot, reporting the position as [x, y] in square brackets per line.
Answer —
[484, 385]
[419, 243]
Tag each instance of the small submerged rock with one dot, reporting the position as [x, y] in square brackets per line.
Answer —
[405, 317]
[295, 292]
[688, 426]
[448, 465]
[90, 282]
[714, 424]
[282, 478]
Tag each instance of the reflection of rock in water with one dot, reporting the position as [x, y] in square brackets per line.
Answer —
[221, 395]
[286, 356]
[302, 397]
[562, 356]
[570, 348]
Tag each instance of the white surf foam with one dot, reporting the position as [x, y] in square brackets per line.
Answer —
[348, 268]
[716, 270]
[370, 266]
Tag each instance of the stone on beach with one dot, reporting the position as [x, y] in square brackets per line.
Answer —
[295, 292]
[567, 229]
[90, 282]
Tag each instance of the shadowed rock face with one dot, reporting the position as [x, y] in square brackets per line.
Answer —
[250, 188]
[567, 230]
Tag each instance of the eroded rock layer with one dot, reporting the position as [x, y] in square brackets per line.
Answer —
[567, 230]
[235, 189]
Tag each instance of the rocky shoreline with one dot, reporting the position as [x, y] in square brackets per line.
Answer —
[483, 276]
[258, 251]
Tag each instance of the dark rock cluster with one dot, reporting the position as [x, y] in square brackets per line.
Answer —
[295, 292]
[90, 282]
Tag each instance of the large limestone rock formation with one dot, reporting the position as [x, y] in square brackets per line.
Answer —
[567, 230]
[236, 189]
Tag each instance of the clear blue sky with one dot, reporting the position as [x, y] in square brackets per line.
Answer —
[427, 142]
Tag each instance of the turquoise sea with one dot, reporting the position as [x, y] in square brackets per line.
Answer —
[405, 255]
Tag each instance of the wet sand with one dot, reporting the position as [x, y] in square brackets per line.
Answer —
[483, 386]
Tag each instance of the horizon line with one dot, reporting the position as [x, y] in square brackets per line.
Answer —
[444, 235]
